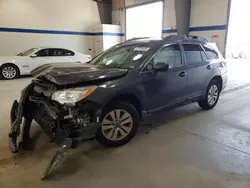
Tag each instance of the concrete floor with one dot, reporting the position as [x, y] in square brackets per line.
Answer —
[185, 147]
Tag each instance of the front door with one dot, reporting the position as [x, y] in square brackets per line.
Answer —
[165, 88]
[41, 57]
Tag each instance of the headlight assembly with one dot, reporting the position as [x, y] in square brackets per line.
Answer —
[71, 96]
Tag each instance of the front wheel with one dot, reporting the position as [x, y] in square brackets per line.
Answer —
[9, 71]
[119, 124]
[211, 97]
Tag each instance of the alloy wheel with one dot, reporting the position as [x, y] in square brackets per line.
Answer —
[9, 72]
[213, 94]
[117, 124]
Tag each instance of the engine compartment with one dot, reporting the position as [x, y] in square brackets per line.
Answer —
[57, 121]
[67, 126]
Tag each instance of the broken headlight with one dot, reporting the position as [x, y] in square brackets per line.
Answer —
[73, 95]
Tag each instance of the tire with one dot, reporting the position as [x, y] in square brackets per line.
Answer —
[213, 90]
[119, 124]
[9, 71]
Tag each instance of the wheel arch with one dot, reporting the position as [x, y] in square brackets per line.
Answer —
[127, 97]
[12, 65]
[219, 80]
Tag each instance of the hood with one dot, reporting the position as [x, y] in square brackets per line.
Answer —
[11, 58]
[73, 73]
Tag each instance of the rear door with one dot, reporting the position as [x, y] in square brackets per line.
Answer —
[62, 56]
[198, 68]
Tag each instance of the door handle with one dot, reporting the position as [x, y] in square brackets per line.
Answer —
[182, 74]
[209, 67]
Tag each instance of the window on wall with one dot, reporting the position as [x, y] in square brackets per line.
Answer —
[144, 21]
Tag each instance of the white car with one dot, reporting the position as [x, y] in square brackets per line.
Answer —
[22, 64]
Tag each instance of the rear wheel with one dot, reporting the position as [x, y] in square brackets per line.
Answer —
[119, 124]
[9, 71]
[212, 96]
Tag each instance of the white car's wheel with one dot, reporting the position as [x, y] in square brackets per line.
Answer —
[9, 71]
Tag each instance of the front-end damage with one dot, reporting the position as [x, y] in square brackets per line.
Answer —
[66, 125]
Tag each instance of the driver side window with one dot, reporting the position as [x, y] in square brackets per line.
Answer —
[170, 54]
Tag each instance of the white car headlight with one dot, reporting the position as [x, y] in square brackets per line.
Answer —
[71, 96]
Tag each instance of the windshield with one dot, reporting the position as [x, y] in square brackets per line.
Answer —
[27, 52]
[126, 56]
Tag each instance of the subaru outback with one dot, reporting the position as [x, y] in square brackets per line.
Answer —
[107, 97]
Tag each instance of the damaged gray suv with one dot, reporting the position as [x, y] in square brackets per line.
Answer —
[107, 97]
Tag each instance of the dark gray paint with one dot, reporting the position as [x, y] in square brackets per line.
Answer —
[73, 73]
[155, 90]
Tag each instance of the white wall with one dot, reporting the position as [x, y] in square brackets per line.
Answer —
[169, 19]
[64, 15]
[119, 18]
[210, 13]
[102, 43]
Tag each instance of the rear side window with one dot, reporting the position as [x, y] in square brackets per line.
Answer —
[211, 53]
[203, 55]
[193, 53]
[63, 52]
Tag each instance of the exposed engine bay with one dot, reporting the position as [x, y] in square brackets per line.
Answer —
[66, 125]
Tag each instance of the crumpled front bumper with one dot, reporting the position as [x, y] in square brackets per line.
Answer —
[22, 114]
[16, 117]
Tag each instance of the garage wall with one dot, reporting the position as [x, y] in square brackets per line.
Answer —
[119, 15]
[207, 18]
[210, 18]
[30, 23]
[169, 18]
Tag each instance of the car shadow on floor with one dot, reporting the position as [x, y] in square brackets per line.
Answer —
[21, 77]
[76, 159]
[165, 117]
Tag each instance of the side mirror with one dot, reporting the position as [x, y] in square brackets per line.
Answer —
[33, 56]
[161, 66]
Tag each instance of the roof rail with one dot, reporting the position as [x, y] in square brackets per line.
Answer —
[137, 38]
[175, 37]
[204, 39]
